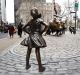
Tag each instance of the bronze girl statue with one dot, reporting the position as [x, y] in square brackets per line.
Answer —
[35, 39]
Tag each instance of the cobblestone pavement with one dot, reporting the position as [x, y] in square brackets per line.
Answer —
[60, 57]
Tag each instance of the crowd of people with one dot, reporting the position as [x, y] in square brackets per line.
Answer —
[11, 29]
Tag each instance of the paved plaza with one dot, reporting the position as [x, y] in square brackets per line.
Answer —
[60, 57]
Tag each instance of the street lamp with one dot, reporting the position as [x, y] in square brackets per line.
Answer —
[76, 5]
[74, 17]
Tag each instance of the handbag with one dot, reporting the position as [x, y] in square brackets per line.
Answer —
[24, 42]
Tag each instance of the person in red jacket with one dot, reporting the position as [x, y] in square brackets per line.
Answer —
[11, 31]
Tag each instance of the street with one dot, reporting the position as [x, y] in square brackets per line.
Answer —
[3, 35]
[20, 19]
[6, 42]
[60, 57]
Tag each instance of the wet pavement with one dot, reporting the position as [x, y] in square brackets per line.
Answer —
[60, 57]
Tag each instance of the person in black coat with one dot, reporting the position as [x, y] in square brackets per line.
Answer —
[20, 29]
[35, 39]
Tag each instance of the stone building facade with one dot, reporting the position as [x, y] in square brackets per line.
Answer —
[17, 4]
[44, 8]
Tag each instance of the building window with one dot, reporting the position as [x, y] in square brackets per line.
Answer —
[5, 3]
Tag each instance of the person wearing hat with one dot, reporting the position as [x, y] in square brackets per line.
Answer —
[35, 39]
